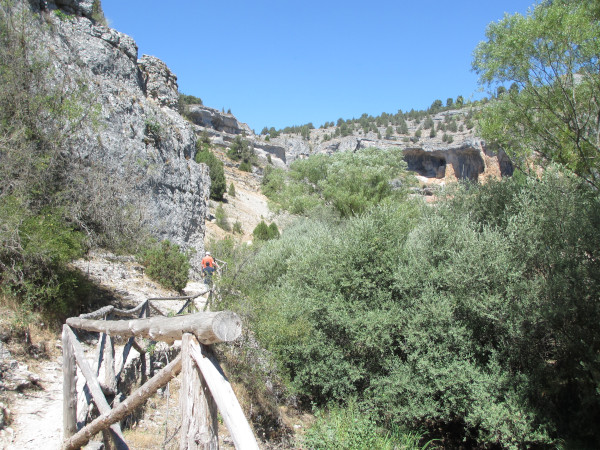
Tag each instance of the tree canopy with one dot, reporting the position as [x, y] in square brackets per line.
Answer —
[552, 58]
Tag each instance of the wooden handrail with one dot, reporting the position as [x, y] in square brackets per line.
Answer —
[225, 398]
[208, 327]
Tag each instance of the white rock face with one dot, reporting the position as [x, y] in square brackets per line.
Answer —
[136, 132]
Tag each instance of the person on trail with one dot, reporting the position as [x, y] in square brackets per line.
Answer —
[208, 267]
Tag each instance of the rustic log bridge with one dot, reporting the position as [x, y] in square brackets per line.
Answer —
[208, 327]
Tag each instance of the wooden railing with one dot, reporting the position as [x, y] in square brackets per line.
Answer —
[204, 387]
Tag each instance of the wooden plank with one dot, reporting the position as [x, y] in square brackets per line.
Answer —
[130, 312]
[125, 408]
[229, 407]
[69, 386]
[95, 389]
[199, 424]
[208, 327]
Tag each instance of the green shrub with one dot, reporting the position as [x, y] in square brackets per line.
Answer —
[34, 257]
[273, 231]
[231, 191]
[245, 166]
[264, 232]
[241, 150]
[348, 182]
[352, 428]
[218, 183]
[221, 218]
[153, 129]
[98, 13]
[261, 232]
[237, 227]
[166, 264]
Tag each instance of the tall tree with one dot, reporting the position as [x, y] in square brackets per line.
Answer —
[552, 57]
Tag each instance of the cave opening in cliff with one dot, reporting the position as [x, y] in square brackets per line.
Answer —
[427, 164]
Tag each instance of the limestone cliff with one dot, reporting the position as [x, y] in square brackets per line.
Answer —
[137, 133]
[462, 156]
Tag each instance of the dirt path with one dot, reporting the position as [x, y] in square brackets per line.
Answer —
[37, 423]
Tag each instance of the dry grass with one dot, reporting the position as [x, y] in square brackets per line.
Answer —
[158, 428]
[27, 338]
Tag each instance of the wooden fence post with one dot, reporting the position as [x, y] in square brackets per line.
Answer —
[199, 424]
[69, 387]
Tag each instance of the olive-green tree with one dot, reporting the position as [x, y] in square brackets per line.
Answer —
[552, 55]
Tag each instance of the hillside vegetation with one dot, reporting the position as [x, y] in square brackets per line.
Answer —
[469, 322]
[472, 321]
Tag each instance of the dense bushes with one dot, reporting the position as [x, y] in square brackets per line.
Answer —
[477, 317]
[166, 264]
[264, 232]
[348, 182]
[34, 257]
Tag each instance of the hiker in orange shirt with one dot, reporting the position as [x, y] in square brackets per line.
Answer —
[208, 267]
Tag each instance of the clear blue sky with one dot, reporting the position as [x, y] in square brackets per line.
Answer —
[282, 63]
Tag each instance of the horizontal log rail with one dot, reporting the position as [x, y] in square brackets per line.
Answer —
[133, 312]
[208, 327]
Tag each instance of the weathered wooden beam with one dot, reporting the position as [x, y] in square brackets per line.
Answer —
[224, 397]
[110, 380]
[130, 312]
[98, 313]
[94, 386]
[83, 436]
[85, 400]
[69, 386]
[199, 423]
[208, 327]
[186, 297]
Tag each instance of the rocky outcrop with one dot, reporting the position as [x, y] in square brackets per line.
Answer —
[223, 128]
[204, 116]
[464, 156]
[159, 82]
[133, 128]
